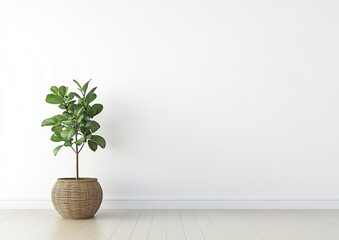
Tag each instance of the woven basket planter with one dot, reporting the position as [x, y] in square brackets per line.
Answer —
[77, 199]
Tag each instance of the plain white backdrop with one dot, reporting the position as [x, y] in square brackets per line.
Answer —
[203, 100]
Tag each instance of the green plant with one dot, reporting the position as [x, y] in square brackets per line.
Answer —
[75, 125]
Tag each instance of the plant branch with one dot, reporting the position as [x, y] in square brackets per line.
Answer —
[73, 149]
[82, 146]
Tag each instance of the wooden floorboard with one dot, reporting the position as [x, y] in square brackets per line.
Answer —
[173, 225]
[142, 228]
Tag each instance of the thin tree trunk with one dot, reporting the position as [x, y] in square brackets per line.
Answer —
[77, 162]
[77, 157]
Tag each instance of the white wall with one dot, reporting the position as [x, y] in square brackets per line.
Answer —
[204, 100]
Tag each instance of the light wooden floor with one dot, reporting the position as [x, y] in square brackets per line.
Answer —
[173, 225]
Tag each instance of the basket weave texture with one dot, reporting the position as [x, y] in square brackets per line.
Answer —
[77, 199]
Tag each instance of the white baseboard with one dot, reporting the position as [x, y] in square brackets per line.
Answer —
[185, 204]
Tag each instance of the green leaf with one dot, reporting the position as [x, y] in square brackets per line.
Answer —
[65, 116]
[56, 138]
[62, 106]
[54, 99]
[57, 129]
[67, 144]
[55, 90]
[68, 122]
[93, 125]
[71, 133]
[70, 96]
[62, 91]
[84, 88]
[79, 111]
[81, 117]
[92, 98]
[99, 140]
[56, 150]
[71, 108]
[85, 131]
[92, 145]
[90, 93]
[95, 109]
[57, 117]
[64, 134]
[80, 88]
[77, 95]
[80, 141]
[49, 122]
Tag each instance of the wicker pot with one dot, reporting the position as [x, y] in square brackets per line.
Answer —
[77, 199]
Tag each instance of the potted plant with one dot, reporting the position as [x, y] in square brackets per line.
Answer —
[74, 127]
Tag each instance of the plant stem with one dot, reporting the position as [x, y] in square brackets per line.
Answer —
[73, 149]
[81, 147]
[77, 157]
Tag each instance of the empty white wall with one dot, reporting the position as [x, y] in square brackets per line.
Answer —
[204, 100]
